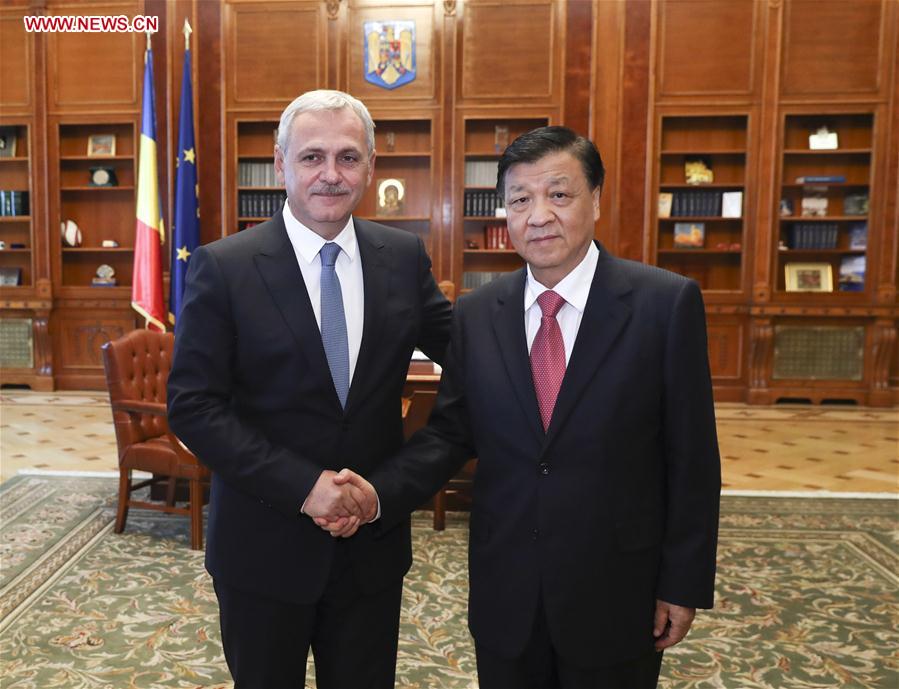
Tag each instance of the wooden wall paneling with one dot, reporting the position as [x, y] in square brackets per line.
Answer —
[423, 89]
[510, 52]
[767, 202]
[635, 126]
[448, 149]
[606, 99]
[208, 61]
[80, 328]
[819, 34]
[577, 83]
[709, 48]
[274, 51]
[17, 65]
[91, 71]
[337, 40]
[727, 337]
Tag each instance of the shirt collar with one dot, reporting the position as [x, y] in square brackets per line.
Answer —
[574, 288]
[307, 243]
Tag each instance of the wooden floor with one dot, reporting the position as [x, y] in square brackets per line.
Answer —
[794, 448]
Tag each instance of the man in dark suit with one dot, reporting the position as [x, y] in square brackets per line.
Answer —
[582, 385]
[290, 357]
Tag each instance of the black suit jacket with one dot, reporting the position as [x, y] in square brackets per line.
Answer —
[617, 503]
[250, 392]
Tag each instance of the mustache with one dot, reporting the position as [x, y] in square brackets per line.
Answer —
[330, 190]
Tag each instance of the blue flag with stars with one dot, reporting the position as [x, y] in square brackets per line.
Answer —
[186, 229]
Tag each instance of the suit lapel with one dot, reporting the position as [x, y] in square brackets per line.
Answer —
[277, 265]
[605, 315]
[375, 280]
[508, 325]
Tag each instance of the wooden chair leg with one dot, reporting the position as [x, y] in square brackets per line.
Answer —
[170, 491]
[196, 515]
[124, 496]
[440, 510]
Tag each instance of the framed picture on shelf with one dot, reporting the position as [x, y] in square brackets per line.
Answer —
[809, 277]
[391, 195]
[7, 142]
[698, 171]
[689, 235]
[10, 277]
[101, 145]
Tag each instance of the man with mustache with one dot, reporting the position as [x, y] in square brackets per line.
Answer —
[291, 353]
[581, 382]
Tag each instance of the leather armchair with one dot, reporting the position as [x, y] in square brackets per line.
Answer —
[137, 368]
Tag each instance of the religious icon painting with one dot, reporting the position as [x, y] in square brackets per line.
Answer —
[389, 53]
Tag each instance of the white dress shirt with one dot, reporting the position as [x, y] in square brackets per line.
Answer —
[574, 288]
[307, 245]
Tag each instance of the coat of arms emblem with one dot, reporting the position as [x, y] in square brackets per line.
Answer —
[389, 53]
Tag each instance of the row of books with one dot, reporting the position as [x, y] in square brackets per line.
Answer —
[259, 204]
[706, 204]
[256, 175]
[813, 235]
[482, 202]
[13, 203]
[497, 237]
[818, 235]
[478, 278]
[481, 173]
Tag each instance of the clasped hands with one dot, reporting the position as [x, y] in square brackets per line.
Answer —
[341, 502]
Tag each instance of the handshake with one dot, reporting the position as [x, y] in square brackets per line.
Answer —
[341, 503]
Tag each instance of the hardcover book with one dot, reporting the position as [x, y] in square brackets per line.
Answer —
[852, 274]
[666, 199]
[858, 236]
[732, 204]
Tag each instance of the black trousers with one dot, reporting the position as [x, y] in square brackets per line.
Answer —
[540, 667]
[353, 636]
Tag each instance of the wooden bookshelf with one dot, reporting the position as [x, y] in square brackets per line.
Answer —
[16, 200]
[721, 142]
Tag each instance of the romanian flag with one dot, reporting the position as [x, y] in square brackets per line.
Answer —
[146, 290]
[186, 230]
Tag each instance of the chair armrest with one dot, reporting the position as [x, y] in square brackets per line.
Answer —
[140, 407]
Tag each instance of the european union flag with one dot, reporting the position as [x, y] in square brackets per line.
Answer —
[186, 230]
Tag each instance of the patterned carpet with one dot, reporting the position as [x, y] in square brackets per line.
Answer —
[807, 597]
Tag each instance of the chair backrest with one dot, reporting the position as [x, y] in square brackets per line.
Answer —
[137, 368]
[421, 404]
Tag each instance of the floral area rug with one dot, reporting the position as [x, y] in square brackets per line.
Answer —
[807, 597]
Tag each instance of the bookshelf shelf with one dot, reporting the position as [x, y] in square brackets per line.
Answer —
[97, 249]
[15, 218]
[89, 188]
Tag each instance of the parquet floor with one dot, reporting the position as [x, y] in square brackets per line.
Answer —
[792, 448]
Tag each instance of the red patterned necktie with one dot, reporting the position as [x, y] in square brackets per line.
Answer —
[548, 356]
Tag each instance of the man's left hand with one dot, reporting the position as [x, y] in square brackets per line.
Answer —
[672, 622]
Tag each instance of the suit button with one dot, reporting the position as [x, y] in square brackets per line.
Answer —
[543, 468]
[535, 534]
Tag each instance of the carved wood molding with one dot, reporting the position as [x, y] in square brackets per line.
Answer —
[43, 351]
[333, 8]
[761, 349]
[884, 339]
[831, 311]
[449, 8]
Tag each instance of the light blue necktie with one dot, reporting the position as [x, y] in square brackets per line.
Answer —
[334, 336]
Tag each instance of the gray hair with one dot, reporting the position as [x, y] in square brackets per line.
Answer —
[325, 100]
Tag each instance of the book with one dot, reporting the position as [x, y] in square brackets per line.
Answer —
[666, 199]
[858, 236]
[689, 235]
[855, 204]
[732, 204]
[821, 179]
[814, 206]
[852, 273]
[698, 171]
